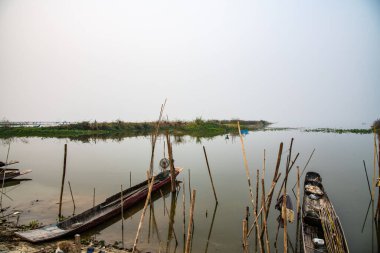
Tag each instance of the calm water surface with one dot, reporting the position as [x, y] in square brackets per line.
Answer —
[105, 165]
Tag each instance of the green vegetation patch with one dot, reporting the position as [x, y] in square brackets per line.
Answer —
[120, 129]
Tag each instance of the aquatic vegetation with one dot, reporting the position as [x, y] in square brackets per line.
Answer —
[339, 131]
[121, 129]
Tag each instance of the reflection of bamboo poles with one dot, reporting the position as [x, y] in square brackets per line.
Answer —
[212, 225]
[369, 187]
[171, 219]
[164, 201]
[72, 197]
[155, 223]
[143, 213]
[257, 204]
[190, 226]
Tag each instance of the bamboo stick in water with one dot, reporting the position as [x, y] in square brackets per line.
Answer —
[143, 214]
[190, 226]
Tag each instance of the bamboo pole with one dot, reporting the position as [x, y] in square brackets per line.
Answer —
[130, 179]
[374, 168]
[171, 163]
[154, 137]
[63, 182]
[274, 181]
[122, 215]
[269, 198]
[143, 213]
[184, 211]
[263, 205]
[369, 187]
[249, 184]
[257, 203]
[190, 225]
[298, 207]
[72, 197]
[209, 172]
[311, 155]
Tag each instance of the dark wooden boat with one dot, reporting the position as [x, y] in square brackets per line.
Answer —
[8, 173]
[99, 213]
[2, 164]
[321, 227]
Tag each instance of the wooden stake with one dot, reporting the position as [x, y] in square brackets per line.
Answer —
[143, 213]
[93, 199]
[3, 181]
[72, 197]
[190, 225]
[63, 183]
[78, 246]
[209, 172]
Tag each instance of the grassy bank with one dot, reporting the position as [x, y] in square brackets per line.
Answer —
[120, 129]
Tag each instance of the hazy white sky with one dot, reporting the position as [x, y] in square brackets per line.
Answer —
[299, 63]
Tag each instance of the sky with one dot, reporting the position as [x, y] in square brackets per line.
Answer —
[296, 63]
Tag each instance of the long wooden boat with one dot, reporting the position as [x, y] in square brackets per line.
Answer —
[8, 173]
[321, 227]
[99, 213]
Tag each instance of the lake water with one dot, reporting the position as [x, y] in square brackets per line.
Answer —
[106, 165]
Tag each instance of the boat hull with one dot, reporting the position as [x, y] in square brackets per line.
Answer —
[96, 215]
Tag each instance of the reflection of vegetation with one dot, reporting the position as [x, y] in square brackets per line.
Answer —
[119, 129]
[340, 131]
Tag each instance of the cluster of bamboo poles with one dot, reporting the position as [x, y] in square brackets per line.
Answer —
[260, 212]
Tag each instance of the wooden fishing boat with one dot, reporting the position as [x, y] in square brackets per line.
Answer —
[321, 227]
[99, 213]
[8, 173]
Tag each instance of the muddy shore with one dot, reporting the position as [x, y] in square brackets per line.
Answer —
[9, 242]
